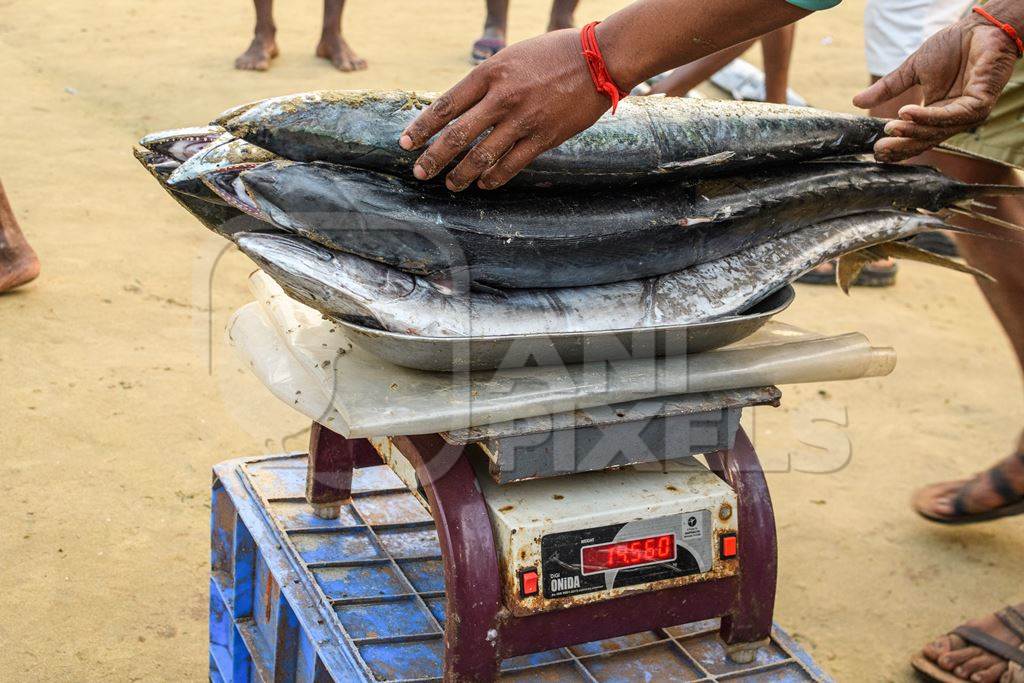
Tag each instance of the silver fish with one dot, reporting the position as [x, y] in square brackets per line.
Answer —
[350, 287]
[535, 239]
[647, 139]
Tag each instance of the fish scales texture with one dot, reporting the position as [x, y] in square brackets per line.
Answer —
[648, 139]
[525, 240]
[347, 286]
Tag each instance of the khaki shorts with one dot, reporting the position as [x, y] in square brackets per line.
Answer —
[1001, 137]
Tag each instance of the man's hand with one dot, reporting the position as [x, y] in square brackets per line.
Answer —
[961, 69]
[524, 100]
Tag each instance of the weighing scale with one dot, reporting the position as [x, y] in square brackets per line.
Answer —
[574, 528]
[567, 524]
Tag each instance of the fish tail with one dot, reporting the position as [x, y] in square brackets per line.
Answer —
[953, 150]
[970, 209]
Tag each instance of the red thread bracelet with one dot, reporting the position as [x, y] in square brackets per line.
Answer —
[598, 71]
[1006, 28]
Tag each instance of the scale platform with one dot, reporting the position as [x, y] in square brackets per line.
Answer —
[361, 597]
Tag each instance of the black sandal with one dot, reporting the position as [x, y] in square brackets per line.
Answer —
[1013, 500]
[1013, 619]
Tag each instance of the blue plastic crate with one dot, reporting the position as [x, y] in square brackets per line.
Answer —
[294, 597]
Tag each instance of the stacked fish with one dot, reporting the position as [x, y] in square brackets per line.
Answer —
[670, 212]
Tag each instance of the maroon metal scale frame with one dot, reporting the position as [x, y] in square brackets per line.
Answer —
[484, 633]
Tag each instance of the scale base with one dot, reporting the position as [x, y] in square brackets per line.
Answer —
[294, 597]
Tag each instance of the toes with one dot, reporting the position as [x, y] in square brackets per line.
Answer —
[990, 675]
[941, 646]
[348, 63]
[975, 664]
[951, 660]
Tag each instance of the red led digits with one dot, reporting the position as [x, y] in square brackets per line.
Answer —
[640, 551]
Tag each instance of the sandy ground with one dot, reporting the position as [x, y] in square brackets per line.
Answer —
[118, 392]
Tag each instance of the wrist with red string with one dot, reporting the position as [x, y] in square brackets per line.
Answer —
[990, 19]
[599, 75]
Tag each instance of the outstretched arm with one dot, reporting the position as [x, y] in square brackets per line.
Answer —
[536, 94]
[961, 69]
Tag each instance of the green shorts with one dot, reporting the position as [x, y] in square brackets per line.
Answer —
[1001, 137]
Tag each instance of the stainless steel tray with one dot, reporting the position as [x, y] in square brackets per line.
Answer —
[452, 354]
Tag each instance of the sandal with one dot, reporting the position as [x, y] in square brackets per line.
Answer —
[1013, 500]
[1013, 619]
[486, 47]
[873, 275]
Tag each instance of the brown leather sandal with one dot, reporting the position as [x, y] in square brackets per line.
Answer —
[1013, 500]
[1013, 619]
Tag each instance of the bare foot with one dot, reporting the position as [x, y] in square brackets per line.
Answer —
[18, 263]
[257, 58]
[17, 268]
[333, 47]
[953, 654]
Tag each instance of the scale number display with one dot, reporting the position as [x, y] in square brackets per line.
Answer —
[636, 552]
[631, 553]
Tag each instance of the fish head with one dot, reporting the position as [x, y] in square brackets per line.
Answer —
[360, 120]
[182, 143]
[226, 150]
[222, 119]
[160, 167]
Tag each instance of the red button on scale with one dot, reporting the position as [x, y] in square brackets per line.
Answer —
[729, 546]
[528, 582]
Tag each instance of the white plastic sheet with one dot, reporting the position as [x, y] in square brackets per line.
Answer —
[309, 363]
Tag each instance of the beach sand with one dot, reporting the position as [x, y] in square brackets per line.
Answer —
[118, 391]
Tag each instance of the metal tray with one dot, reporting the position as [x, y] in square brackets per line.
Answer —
[452, 354]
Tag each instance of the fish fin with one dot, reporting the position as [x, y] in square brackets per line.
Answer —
[968, 210]
[848, 267]
[709, 160]
[953, 150]
[902, 250]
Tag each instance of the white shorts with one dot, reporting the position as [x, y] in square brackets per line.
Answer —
[894, 29]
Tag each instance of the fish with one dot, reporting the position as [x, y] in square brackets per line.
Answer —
[537, 239]
[648, 139]
[180, 144]
[349, 287]
[226, 150]
[226, 221]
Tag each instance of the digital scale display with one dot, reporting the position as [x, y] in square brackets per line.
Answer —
[636, 552]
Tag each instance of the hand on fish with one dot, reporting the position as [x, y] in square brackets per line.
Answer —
[535, 94]
[962, 70]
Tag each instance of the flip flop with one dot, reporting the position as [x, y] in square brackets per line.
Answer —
[1013, 501]
[1013, 619]
[486, 47]
[871, 276]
